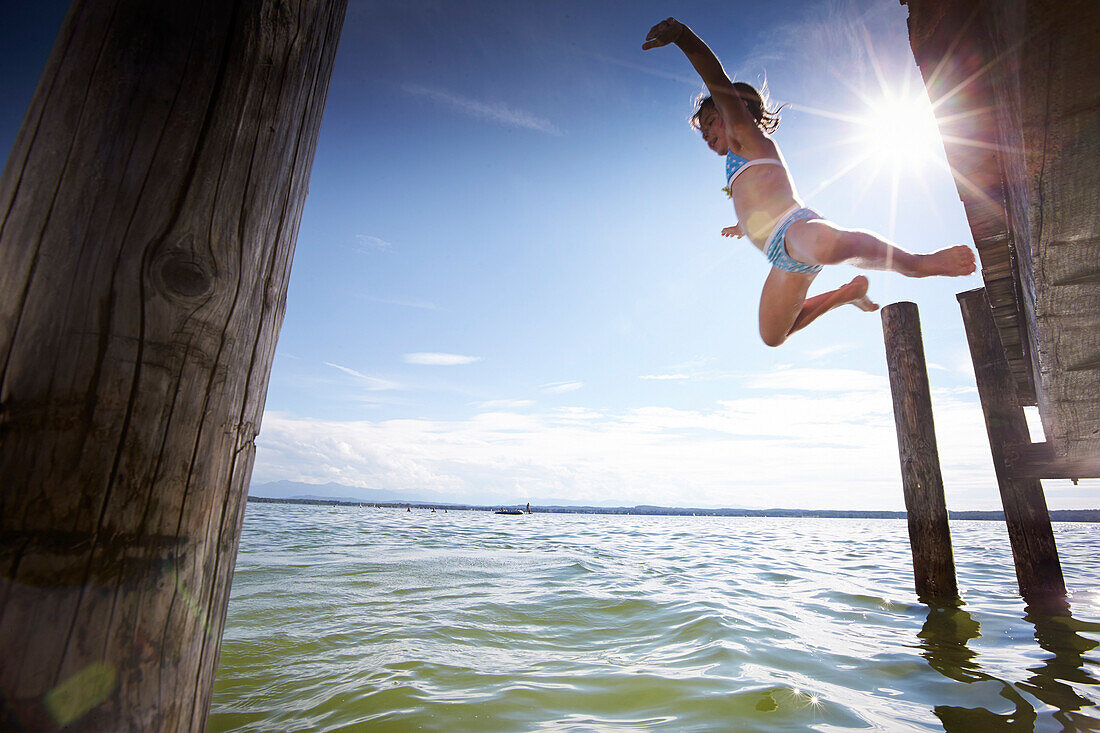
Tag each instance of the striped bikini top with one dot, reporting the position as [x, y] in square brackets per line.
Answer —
[736, 165]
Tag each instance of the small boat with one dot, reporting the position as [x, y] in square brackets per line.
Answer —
[510, 512]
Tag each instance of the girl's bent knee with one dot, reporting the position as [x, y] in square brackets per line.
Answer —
[773, 339]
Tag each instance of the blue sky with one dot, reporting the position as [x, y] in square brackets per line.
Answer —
[509, 282]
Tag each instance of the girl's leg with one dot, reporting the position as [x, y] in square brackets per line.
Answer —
[785, 309]
[820, 242]
[854, 292]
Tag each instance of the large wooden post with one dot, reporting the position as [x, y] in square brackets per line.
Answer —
[1038, 571]
[922, 482]
[148, 214]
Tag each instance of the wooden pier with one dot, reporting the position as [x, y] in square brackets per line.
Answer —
[1013, 85]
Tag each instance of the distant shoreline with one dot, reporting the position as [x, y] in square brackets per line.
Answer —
[1056, 515]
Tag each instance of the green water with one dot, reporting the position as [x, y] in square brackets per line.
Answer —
[382, 620]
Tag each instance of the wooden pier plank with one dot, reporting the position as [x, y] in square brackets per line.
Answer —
[1038, 460]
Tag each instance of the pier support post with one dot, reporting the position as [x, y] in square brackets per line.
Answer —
[1038, 571]
[148, 215]
[922, 482]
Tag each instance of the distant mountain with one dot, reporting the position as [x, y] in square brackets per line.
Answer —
[296, 491]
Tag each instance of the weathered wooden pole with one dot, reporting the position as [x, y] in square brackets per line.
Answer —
[148, 214]
[1038, 571]
[921, 480]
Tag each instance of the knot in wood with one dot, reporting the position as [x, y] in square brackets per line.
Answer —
[180, 276]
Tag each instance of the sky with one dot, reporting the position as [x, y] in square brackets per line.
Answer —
[509, 283]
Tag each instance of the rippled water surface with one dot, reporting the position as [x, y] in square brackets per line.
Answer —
[383, 620]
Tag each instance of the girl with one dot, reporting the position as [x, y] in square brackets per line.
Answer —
[796, 240]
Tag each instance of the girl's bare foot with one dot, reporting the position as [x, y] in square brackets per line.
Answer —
[953, 262]
[855, 293]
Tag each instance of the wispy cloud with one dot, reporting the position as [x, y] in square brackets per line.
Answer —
[504, 404]
[827, 350]
[494, 111]
[437, 359]
[367, 242]
[665, 376]
[832, 40]
[371, 383]
[573, 415]
[423, 304]
[561, 387]
[819, 380]
[684, 78]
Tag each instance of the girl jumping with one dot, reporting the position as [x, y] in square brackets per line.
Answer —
[796, 241]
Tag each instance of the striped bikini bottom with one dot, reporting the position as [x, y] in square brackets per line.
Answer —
[775, 249]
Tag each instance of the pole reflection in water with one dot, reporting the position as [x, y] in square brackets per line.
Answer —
[943, 643]
[1053, 680]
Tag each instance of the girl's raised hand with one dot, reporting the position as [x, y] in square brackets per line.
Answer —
[733, 231]
[664, 33]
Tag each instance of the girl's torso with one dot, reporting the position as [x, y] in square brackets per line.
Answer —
[761, 192]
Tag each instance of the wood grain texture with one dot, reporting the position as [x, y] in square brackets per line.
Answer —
[1038, 570]
[1014, 82]
[1038, 460]
[148, 214]
[1061, 127]
[983, 143]
[922, 481]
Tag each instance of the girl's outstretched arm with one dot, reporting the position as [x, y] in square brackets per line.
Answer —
[709, 68]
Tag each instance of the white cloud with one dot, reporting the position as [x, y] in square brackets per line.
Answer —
[827, 350]
[819, 380]
[504, 404]
[497, 112]
[437, 359]
[368, 242]
[1034, 424]
[561, 387]
[573, 415]
[830, 448]
[372, 383]
[664, 376]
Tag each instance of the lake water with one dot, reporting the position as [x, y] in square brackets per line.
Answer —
[383, 620]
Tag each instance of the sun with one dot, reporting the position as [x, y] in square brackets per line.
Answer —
[891, 135]
[900, 131]
[887, 130]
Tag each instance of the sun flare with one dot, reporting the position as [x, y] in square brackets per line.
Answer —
[901, 132]
[892, 135]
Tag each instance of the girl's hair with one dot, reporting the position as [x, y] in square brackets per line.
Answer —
[766, 119]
